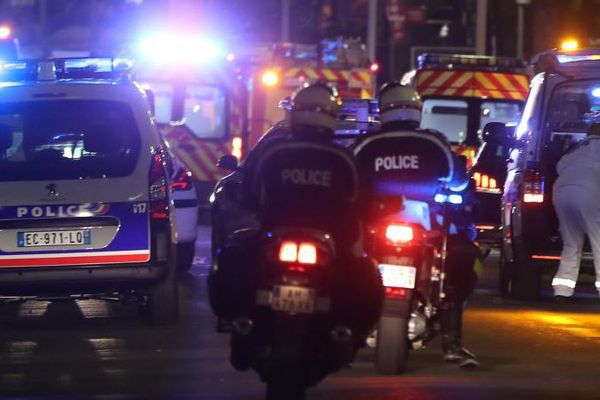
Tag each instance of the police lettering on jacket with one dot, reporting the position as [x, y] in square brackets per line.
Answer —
[301, 176]
[397, 162]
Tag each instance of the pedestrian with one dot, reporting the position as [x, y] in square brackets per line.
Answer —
[577, 203]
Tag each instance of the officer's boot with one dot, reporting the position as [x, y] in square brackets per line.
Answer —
[452, 347]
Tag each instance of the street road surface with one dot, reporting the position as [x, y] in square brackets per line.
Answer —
[100, 349]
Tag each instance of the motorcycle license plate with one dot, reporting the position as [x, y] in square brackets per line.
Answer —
[398, 276]
[293, 299]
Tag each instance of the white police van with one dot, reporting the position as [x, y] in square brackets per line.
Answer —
[564, 101]
[85, 206]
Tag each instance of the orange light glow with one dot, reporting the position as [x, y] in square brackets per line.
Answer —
[569, 45]
[542, 257]
[236, 147]
[270, 78]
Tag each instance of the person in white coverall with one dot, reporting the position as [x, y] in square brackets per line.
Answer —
[577, 203]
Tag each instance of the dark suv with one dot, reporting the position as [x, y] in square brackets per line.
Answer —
[563, 102]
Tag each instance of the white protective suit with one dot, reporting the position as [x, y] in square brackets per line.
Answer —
[577, 203]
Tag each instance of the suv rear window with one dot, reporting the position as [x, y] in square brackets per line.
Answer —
[67, 139]
[574, 107]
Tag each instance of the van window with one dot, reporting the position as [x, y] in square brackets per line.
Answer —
[67, 139]
[205, 111]
[447, 116]
[574, 106]
[500, 111]
[163, 101]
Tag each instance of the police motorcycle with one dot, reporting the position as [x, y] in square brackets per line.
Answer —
[301, 303]
[409, 178]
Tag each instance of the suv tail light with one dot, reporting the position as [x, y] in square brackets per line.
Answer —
[183, 180]
[533, 187]
[159, 200]
[485, 183]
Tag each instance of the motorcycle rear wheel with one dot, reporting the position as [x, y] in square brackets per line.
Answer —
[286, 384]
[391, 353]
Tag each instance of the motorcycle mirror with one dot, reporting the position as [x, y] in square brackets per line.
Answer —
[228, 162]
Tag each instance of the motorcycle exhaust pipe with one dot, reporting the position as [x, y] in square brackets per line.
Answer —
[243, 326]
[341, 334]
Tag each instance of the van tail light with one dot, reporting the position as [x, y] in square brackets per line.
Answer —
[486, 183]
[294, 252]
[159, 199]
[533, 187]
[183, 180]
[398, 234]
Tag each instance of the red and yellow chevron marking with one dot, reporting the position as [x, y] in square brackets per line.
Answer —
[198, 156]
[468, 151]
[355, 78]
[493, 85]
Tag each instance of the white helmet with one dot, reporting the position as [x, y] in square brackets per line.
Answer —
[399, 103]
[315, 106]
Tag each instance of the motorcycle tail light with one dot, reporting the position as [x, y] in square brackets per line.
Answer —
[399, 233]
[301, 253]
[395, 293]
[307, 253]
[288, 252]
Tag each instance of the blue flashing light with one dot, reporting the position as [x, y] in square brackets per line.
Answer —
[455, 199]
[566, 58]
[440, 198]
[161, 49]
[451, 198]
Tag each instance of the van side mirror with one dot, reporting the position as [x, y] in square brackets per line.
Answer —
[498, 133]
[228, 162]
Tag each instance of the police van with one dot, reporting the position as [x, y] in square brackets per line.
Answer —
[85, 205]
[563, 103]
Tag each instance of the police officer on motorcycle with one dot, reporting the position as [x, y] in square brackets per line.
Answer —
[301, 179]
[400, 111]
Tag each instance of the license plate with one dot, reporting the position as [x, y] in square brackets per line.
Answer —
[293, 299]
[54, 238]
[398, 276]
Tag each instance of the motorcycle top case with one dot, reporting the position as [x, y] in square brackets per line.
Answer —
[412, 164]
[74, 234]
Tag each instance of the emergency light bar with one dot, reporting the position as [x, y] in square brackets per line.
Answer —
[65, 68]
[469, 62]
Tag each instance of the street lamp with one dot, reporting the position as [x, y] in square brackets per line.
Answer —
[521, 25]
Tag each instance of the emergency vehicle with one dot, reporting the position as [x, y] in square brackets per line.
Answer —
[85, 206]
[563, 104]
[461, 94]
[210, 102]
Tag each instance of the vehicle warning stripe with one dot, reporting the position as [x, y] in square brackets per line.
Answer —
[92, 258]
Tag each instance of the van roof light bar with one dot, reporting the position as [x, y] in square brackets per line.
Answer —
[65, 68]
[470, 62]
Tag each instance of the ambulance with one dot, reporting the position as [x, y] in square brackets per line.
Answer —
[461, 94]
[210, 102]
